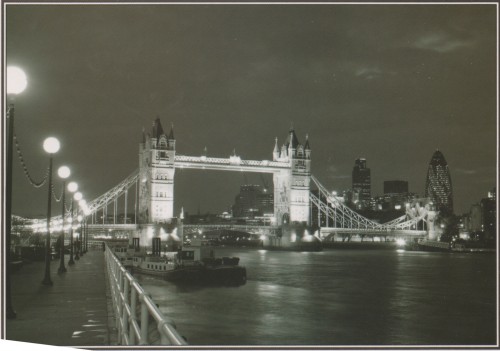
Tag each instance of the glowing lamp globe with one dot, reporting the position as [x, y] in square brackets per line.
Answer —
[63, 172]
[82, 203]
[16, 80]
[51, 145]
[79, 218]
[72, 187]
[78, 196]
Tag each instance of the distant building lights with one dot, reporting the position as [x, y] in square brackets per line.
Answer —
[400, 242]
[235, 159]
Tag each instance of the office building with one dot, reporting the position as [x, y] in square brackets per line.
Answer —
[395, 187]
[361, 180]
[253, 201]
[438, 186]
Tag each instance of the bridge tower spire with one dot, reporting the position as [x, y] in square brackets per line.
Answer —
[292, 185]
[156, 179]
[276, 151]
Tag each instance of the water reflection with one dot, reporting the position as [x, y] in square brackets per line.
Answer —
[340, 297]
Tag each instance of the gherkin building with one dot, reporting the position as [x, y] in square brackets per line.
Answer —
[438, 184]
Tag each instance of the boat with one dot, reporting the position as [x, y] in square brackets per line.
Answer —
[425, 245]
[195, 264]
[438, 246]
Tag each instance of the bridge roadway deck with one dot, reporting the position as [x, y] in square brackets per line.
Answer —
[75, 311]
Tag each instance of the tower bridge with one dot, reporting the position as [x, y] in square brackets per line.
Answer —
[290, 166]
[152, 188]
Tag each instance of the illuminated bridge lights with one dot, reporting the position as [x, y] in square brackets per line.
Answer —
[341, 219]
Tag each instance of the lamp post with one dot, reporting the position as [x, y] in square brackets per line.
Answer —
[78, 196]
[82, 238]
[51, 146]
[83, 206]
[63, 173]
[16, 83]
[72, 187]
[85, 223]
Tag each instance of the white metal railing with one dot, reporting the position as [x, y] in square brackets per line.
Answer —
[126, 293]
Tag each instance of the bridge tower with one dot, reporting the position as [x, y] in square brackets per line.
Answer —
[292, 185]
[156, 175]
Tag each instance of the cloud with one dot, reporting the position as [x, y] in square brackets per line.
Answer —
[465, 171]
[441, 42]
[340, 176]
[368, 72]
[333, 173]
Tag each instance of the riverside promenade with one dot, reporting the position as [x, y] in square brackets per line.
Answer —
[75, 311]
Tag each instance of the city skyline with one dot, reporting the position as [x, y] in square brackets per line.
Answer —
[387, 83]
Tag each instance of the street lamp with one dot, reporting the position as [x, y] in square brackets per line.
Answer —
[72, 187]
[78, 196]
[82, 238]
[51, 146]
[16, 83]
[83, 206]
[16, 80]
[63, 173]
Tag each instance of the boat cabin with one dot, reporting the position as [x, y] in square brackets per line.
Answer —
[198, 250]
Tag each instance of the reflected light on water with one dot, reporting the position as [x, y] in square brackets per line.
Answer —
[339, 297]
[269, 290]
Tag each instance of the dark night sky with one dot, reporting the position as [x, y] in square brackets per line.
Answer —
[390, 83]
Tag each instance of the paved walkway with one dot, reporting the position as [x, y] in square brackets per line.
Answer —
[72, 312]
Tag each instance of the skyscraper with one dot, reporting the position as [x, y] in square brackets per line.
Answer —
[253, 201]
[489, 214]
[361, 180]
[396, 194]
[438, 184]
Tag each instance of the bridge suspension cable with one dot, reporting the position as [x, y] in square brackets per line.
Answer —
[100, 202]
[334, 207]
[346, 218]
[112, 194]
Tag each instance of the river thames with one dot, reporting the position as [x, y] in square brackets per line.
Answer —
[340, 297]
